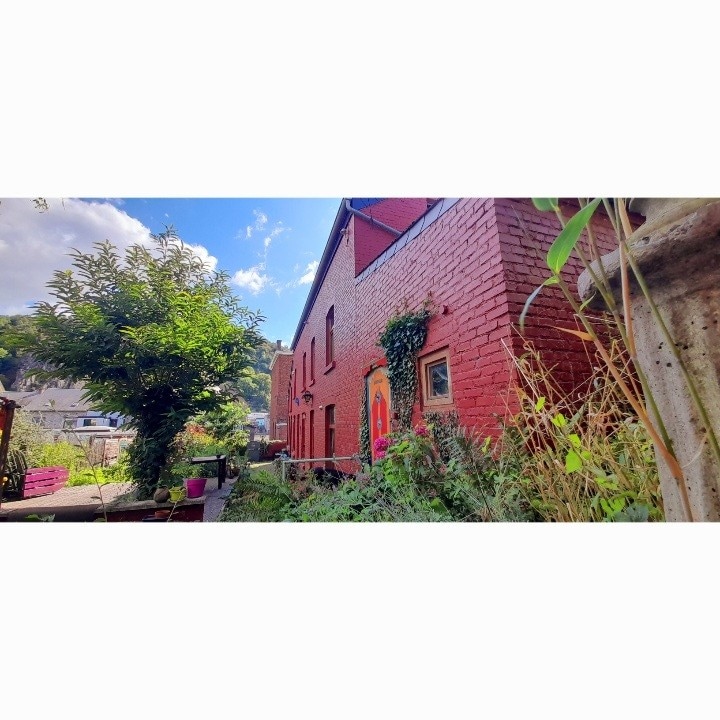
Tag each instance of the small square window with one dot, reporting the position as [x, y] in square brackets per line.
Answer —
[438, 385]
[435, 374]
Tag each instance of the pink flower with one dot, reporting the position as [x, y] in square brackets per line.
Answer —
[421, 430]
[381, 444]
[380, 454]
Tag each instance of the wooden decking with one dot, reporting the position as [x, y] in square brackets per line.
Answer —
[72, 504]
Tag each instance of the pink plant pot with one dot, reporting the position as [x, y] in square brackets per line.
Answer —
[195, 487]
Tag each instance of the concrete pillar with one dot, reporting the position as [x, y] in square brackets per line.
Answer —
[678, 251]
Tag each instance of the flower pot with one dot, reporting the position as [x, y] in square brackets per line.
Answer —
[177, 494]
[195, 487]
[678, 252]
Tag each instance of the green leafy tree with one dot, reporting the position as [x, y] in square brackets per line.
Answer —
[226, 424]
[10, 355]
[254, 388]
[153, 335]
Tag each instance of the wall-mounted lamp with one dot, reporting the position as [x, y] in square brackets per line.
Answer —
[307, 397]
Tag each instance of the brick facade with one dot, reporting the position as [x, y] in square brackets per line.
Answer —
[280, 368]
[477, 260]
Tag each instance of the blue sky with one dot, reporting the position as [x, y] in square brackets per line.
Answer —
[269, 246]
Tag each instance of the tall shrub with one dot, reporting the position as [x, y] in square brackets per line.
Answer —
[153, 334]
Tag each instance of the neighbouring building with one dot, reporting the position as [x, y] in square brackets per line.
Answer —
[63, 409]
[476, 260]
[280, 368]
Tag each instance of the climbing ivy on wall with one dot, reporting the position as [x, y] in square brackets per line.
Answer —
[364, 429]
[402, 339]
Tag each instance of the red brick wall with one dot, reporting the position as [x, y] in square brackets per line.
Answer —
[279, 379]
[339, 385]
[526, 237]
[370, 240]
[478, 263]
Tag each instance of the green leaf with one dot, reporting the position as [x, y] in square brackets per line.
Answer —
[565, 242]
[552, 280]
[572, 462]
[559, 420]
[438, 506]
[540, 404]
[546, 204]
[574, 439]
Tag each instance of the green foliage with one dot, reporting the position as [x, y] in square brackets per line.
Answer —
[24, 449]
[545, 204]
[562, 246]
[566, 241]
[463, 478]
[89, 476]
[225, 425]
[411, 484]
[119, 472]
[587, 460]
[259, 496]
[442, 427]
[254, 388]
[27, 438]
[63, 454]
[402, 339]
[10, 354]
[365, 452]
[151, 334]
[193, 441]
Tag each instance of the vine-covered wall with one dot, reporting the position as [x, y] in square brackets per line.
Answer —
[471, 264]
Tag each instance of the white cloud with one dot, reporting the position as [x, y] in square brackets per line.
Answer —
[266, 242]
[252, 279]
[260, 219]
[33, 245]
[309, 275]
[210, 261]
[260, 222]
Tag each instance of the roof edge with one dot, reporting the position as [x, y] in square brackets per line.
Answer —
[327, 256]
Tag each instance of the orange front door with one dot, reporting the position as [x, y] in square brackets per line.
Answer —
[378, 396]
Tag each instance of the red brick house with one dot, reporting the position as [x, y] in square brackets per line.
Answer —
[477, 260]
[280, 367]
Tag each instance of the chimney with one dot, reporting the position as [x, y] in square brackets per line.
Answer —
[278, 343]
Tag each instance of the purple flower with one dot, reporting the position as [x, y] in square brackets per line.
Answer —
[421, 430]
[380, 454]
[381, 444]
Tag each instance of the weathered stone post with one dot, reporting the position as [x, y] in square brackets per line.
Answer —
[678, 252]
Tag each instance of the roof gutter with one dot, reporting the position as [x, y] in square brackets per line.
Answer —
[333, 242]
[344, 212]
[395, 233]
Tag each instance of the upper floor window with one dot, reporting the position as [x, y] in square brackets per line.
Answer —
[312, 361]
[330, 336]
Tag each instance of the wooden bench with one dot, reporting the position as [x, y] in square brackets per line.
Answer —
[43, 481]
